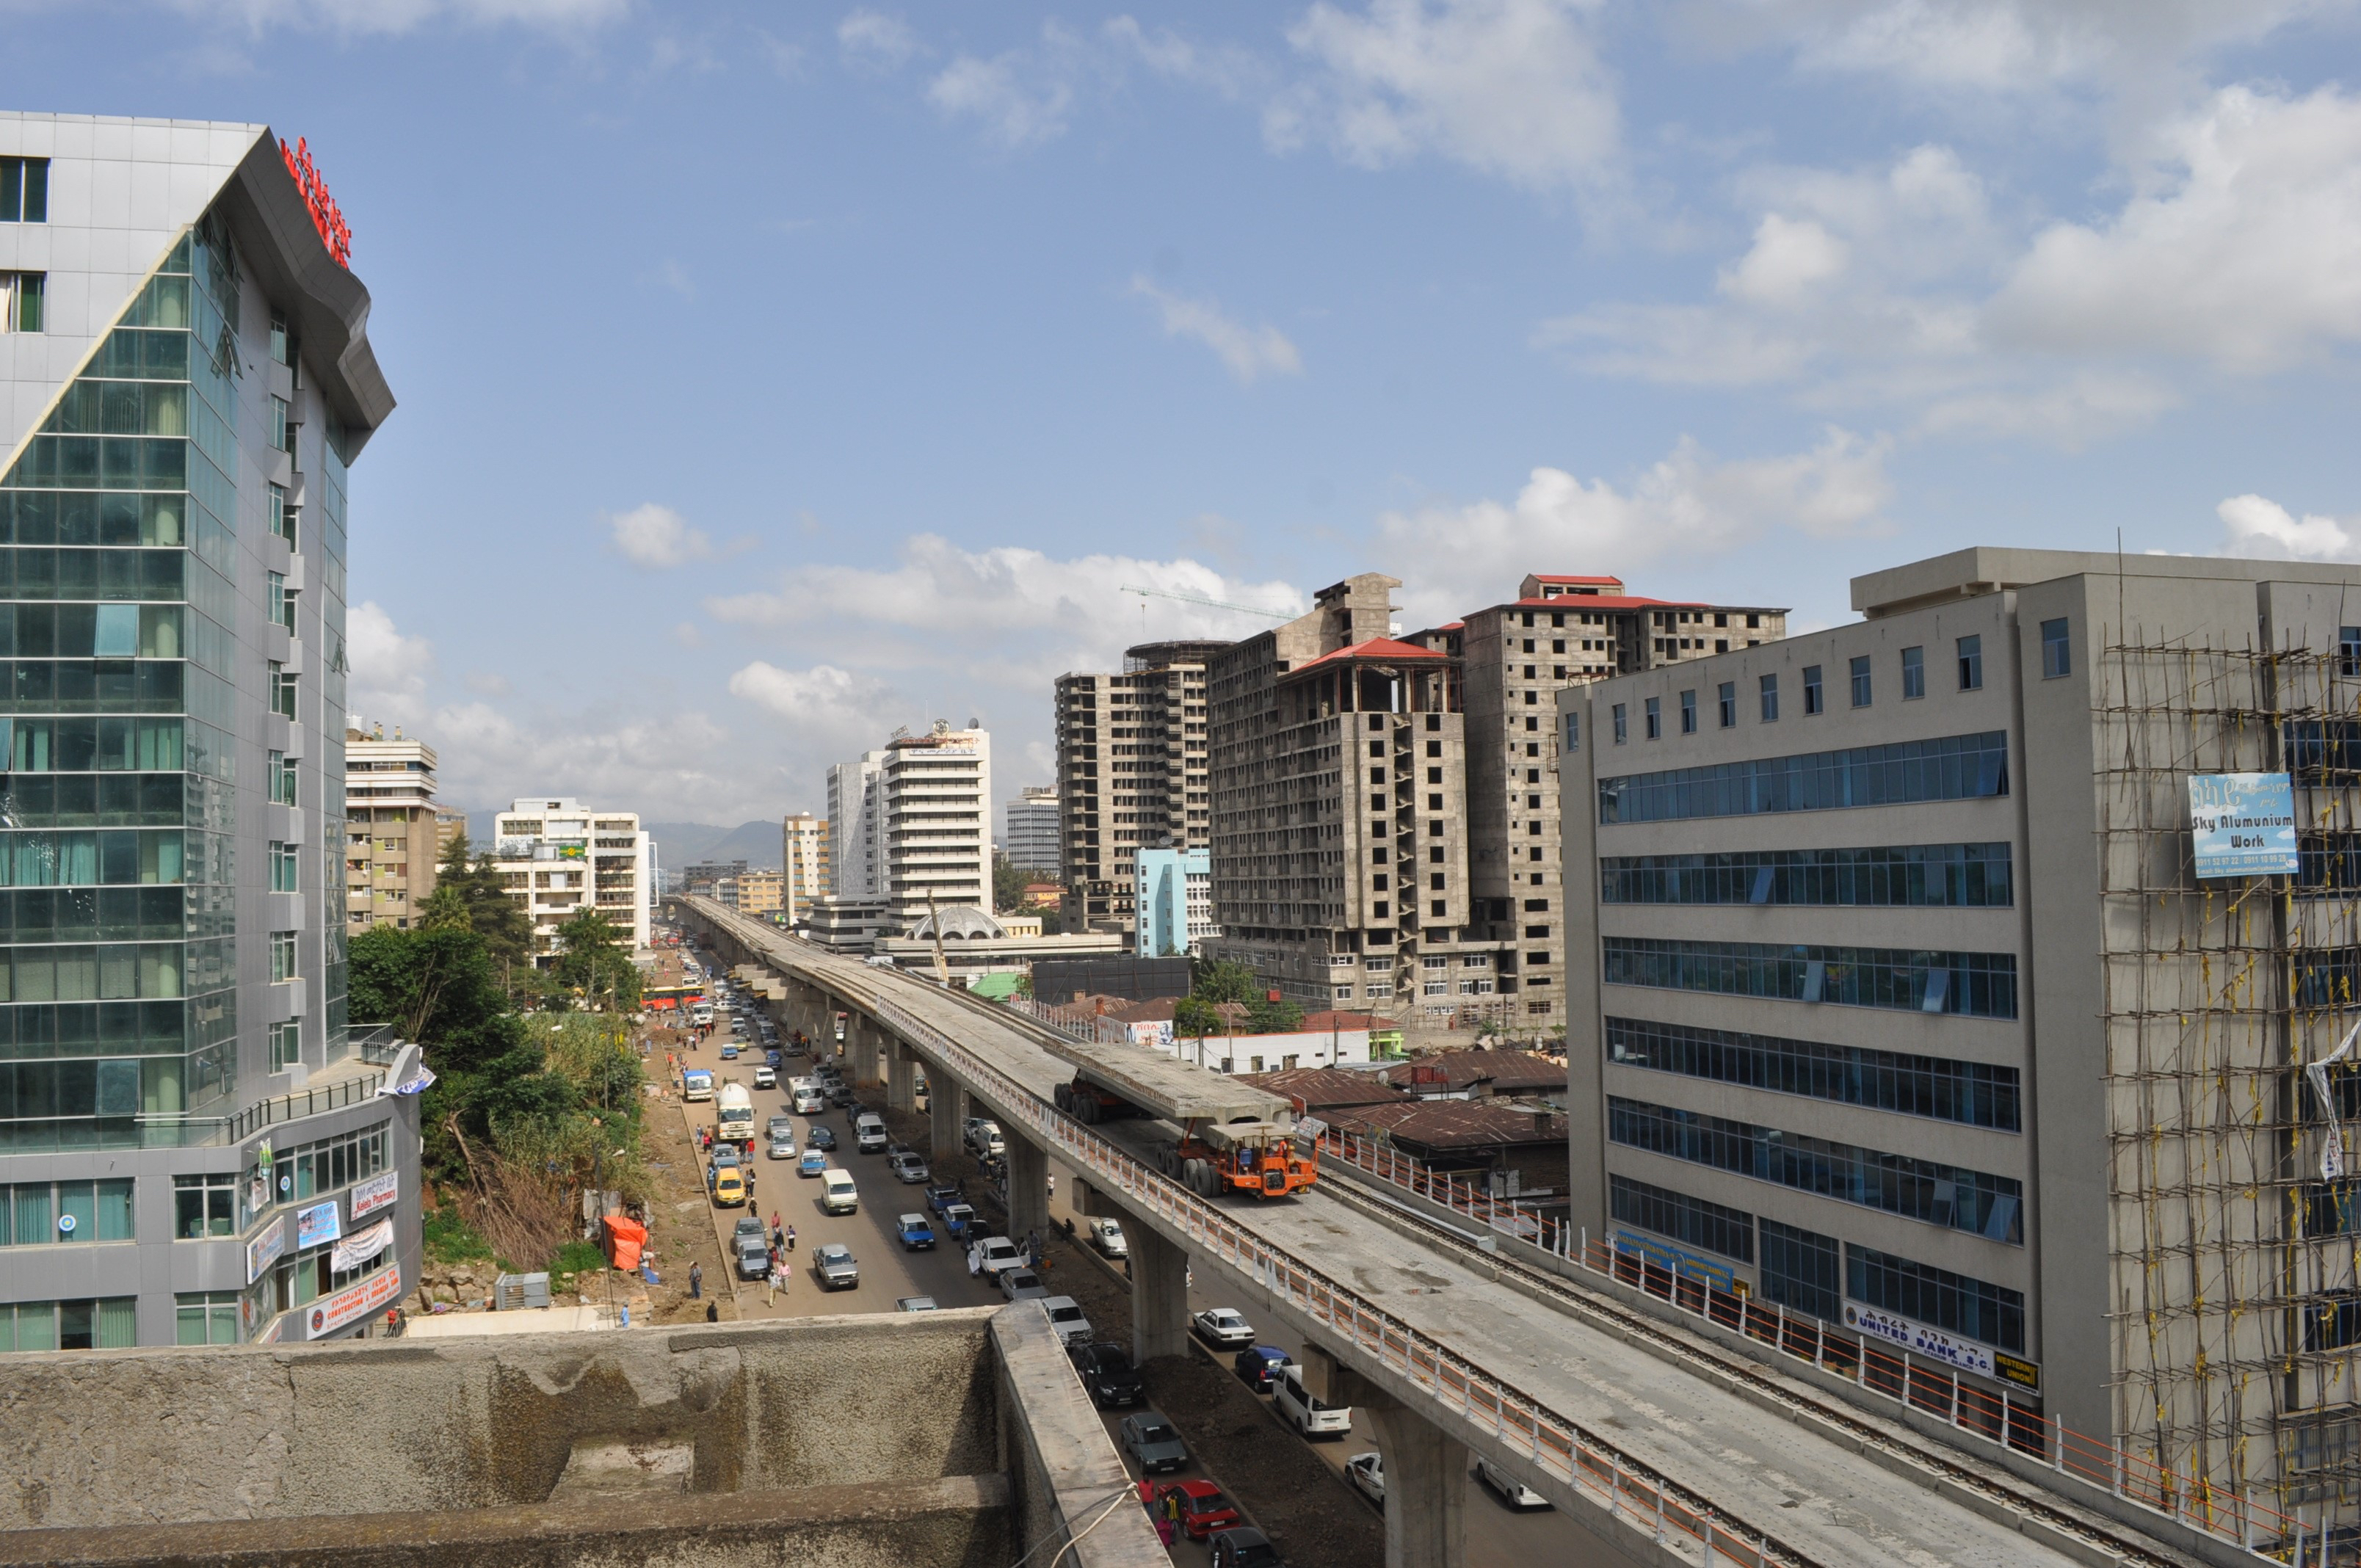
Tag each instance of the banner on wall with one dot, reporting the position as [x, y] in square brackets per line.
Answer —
[317, 1223]
[265, 1248]
[361, 1247]
[2243, 824]
[1924, 1339]
[378, 1192]
[354, 1302]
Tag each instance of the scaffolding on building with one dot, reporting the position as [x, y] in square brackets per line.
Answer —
[2235, 1300]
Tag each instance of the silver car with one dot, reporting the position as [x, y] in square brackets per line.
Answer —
[908, 1167]
[834, 1264]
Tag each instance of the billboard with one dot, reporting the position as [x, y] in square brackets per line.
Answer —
[357, 1300]
[2243, 824]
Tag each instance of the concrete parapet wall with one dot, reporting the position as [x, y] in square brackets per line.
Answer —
[1069, 1482]
[113, 1438]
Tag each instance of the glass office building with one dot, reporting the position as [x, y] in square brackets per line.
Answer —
[184, 378]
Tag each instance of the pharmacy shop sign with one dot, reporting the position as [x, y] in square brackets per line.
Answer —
[1920, 1339]
[2243, 824]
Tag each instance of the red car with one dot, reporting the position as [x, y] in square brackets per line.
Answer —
[1203, 1509]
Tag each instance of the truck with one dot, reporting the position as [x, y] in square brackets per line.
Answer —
[1086, 1102]
[1260, 1158]
[733, 1116]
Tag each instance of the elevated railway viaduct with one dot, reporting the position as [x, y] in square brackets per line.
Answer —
[1663, 1447]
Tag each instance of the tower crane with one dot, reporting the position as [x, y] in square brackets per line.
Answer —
[1209, 604]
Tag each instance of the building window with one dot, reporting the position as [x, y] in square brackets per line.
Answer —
[23, 296]
[1861, 680]
[279, 604]
[1957, 876]
[1726, 696]
[1655, 718]
[1803, 1270]
[280, 772]
[2056, 654]
[282, 866]
[1812, 697]
[1971, 663]
[2348, 650]
[282, 516]
[24, 189]
[1951, 1196]
[1991, 1313]
[1957, 767]
[1688, 713]
[1967, 1092]
[287, 1038]
[108, 1323]
[282, 956]
[1770, 698]
[279, 433]
[1977, 985]
[1690, 1221]
[1914, 673]
[37, 1213]
[278, 336]
[1621, 725]
[204, 1205]
[1572, 736]
[279, 690]
[205, 1317]
[335, 1163]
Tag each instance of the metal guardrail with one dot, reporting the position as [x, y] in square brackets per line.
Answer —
[2188, 1499]
[1517, 1421]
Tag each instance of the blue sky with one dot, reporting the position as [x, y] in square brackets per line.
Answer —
[774, 374]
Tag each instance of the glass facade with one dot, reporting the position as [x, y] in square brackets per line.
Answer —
[1963, 876]
[1955, 767]
[1692, 1221]
[1973, 1092]
[1951, 1196]
[1993, 1314]
[117, 704]
[1977, 985]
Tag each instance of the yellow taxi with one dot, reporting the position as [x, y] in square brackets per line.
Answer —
[728, 1188]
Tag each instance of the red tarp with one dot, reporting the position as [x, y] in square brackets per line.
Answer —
[625, 1238]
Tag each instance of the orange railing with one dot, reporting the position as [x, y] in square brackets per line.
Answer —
[1922, 1385]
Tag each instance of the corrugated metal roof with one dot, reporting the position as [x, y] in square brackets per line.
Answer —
[1314, 1090]
[1505, 1072]
[1454, 1124]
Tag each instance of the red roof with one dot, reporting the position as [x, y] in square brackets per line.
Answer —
[1554, 577]
[1314, 1022]
[1375, 648]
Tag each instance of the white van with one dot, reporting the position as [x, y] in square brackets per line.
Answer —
[836, 1193]
[869, 1133]
[1301, 1409]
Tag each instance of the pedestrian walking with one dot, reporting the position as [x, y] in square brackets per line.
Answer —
[771, 1282]
[695, 1281]
[791, 1238]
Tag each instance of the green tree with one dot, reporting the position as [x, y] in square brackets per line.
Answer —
[1195, 1018]
[1215, 983]
[472, 891]
[593, 963]
[1008, 881]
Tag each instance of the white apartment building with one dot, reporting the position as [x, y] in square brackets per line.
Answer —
[937, 822]
[856, 848]
[557, 856]
[805, 855]
[392, 843]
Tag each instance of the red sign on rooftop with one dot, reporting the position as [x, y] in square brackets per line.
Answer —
[326, 216]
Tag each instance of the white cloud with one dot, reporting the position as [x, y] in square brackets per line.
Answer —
[1454, 558]
[1790, 260]
[657, 536]
[876, 41]
[2238, 248]
[1249, 351]
[2007, 48]
[390, 17]
[390, 670]
[2254, 526]
[1512, 88]
[1006, 617]
[1019, 100]
[1226, 69]
[829, 710]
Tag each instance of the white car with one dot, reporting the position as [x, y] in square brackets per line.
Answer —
[766, 1078]
[1065, 1317]
[1305, 1410]
[1224, 1326]
[1367, 1471]
[1510, 1491]
[989, 1256]
[1106, 1235]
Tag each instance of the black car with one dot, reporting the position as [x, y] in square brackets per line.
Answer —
[819, 1137]
[1108, 1376]
[1245, 1548]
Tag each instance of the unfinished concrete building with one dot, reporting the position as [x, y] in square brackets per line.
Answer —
[1131, 775]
